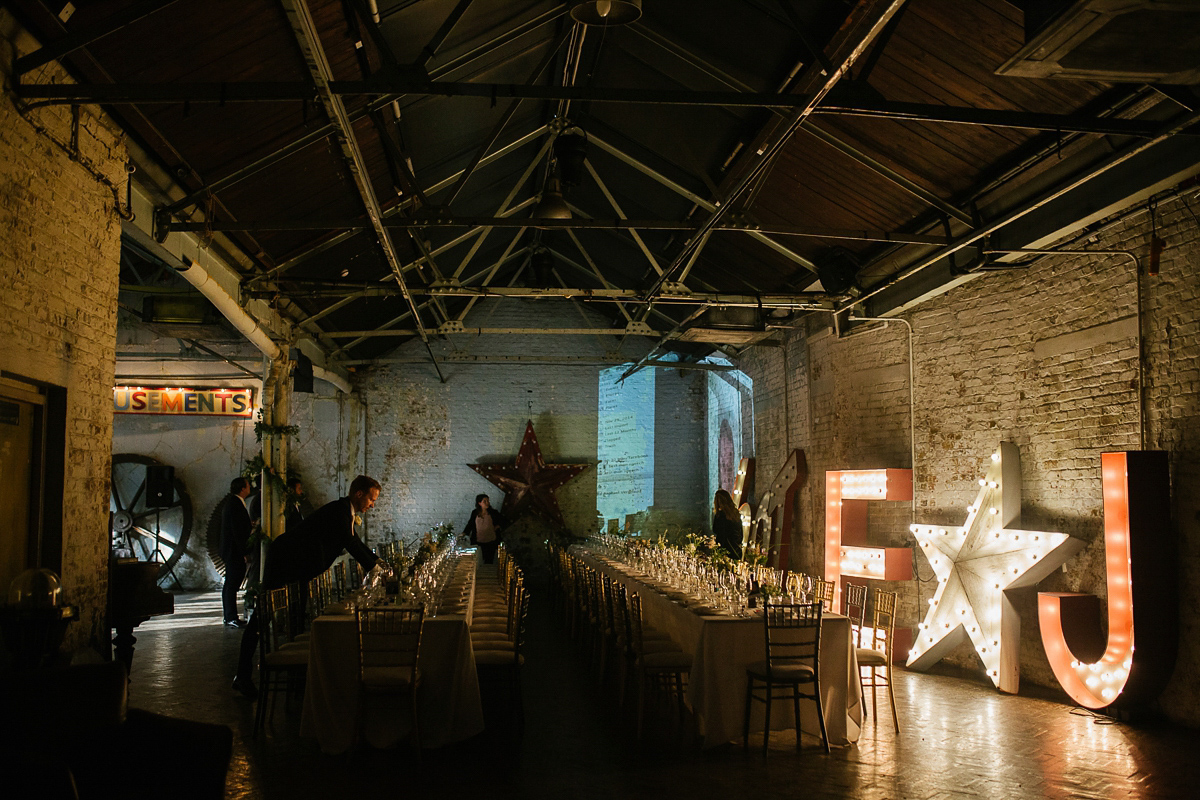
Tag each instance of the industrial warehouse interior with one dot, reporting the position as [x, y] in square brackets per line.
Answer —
[608, 398]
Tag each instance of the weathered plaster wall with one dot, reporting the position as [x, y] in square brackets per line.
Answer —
[1045, 358]
[422, 434]
[208, 452]
[59, 264]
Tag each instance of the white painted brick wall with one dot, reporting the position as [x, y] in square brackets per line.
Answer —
[422, 434]
[1003, 358]
[59, 264]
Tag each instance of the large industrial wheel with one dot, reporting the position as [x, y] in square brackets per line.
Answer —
[147, 534]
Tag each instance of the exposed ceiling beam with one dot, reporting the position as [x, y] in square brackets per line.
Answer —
[503, 210]
[817, 301]
[869, 161]
[305, 29]
[701, 202]
[616, 224]
[801, 300]
[399, 208]
[459, 328]
[862, 24]
[990, 117]
[83, 37]
[439, 38]
[386, 87]
[502, 123]
[1104, 187]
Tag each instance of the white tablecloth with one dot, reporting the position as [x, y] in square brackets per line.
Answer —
[448, 702]
[722, 647]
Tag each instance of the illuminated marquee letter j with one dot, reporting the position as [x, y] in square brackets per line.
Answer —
[1115, 675]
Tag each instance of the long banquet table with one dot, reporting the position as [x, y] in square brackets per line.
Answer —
[448, 703]
[723, 646]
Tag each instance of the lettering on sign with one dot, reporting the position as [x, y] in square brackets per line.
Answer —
[219, 402]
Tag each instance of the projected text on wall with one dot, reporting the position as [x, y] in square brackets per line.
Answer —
[725, 439]
[625, 443]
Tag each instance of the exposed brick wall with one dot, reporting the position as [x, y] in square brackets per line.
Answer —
[59, 264]
[422, 434]
[1045, 358]
[681, 448]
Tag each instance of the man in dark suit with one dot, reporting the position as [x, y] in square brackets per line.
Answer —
[298, 555]
[294, 509]
[235, 541]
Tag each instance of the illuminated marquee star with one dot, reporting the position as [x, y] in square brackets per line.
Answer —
[976, 564]
[530, 483]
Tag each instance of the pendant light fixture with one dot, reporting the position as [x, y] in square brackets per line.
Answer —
[552, 205]
[607, 12]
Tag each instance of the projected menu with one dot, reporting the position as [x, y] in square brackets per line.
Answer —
[625, 443]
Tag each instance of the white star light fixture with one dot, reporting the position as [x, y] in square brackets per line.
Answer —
[976, 565]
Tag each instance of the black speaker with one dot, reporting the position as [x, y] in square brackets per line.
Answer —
[837, 268]
[302, 374]
[160, 486]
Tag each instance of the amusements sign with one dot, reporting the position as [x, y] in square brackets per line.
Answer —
[220, 402]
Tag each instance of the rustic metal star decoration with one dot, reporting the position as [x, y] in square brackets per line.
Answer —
[529, 484]
[975, 566]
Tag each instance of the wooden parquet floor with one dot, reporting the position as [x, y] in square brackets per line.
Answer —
[959, 739]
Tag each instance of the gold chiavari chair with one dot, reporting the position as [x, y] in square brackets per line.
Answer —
[878, 656]
[504, 659]
[665, 669]
[283, 663]
[854, 599]
[793, 638]
[823, 593]
[389, 645]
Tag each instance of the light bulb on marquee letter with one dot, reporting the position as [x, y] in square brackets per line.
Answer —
[1140, 558]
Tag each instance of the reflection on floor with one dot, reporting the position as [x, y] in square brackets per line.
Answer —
[958, 739]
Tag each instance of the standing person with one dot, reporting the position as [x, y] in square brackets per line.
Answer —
[298, 555]
[293, 512]
[235, 548]
[727, 523]
[485, 526]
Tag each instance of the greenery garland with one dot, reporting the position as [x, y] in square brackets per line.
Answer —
[262, 428]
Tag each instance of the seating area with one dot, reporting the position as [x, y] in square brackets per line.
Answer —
[578, 736]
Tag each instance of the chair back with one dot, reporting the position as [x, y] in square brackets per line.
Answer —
[516, 592]
[883, 623]
[606, 591]
[277, 619]
[855, 605]
[521, 611]
[634, 610]
[389, 638]
[823, 593]
[793, 633]
[620, 614]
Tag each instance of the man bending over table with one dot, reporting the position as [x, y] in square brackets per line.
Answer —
[298, 555]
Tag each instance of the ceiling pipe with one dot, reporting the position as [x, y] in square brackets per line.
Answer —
[224, 302]
[208, 286]
[332, 378]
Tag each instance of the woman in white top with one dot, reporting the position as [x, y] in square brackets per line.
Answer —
[485, 527]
